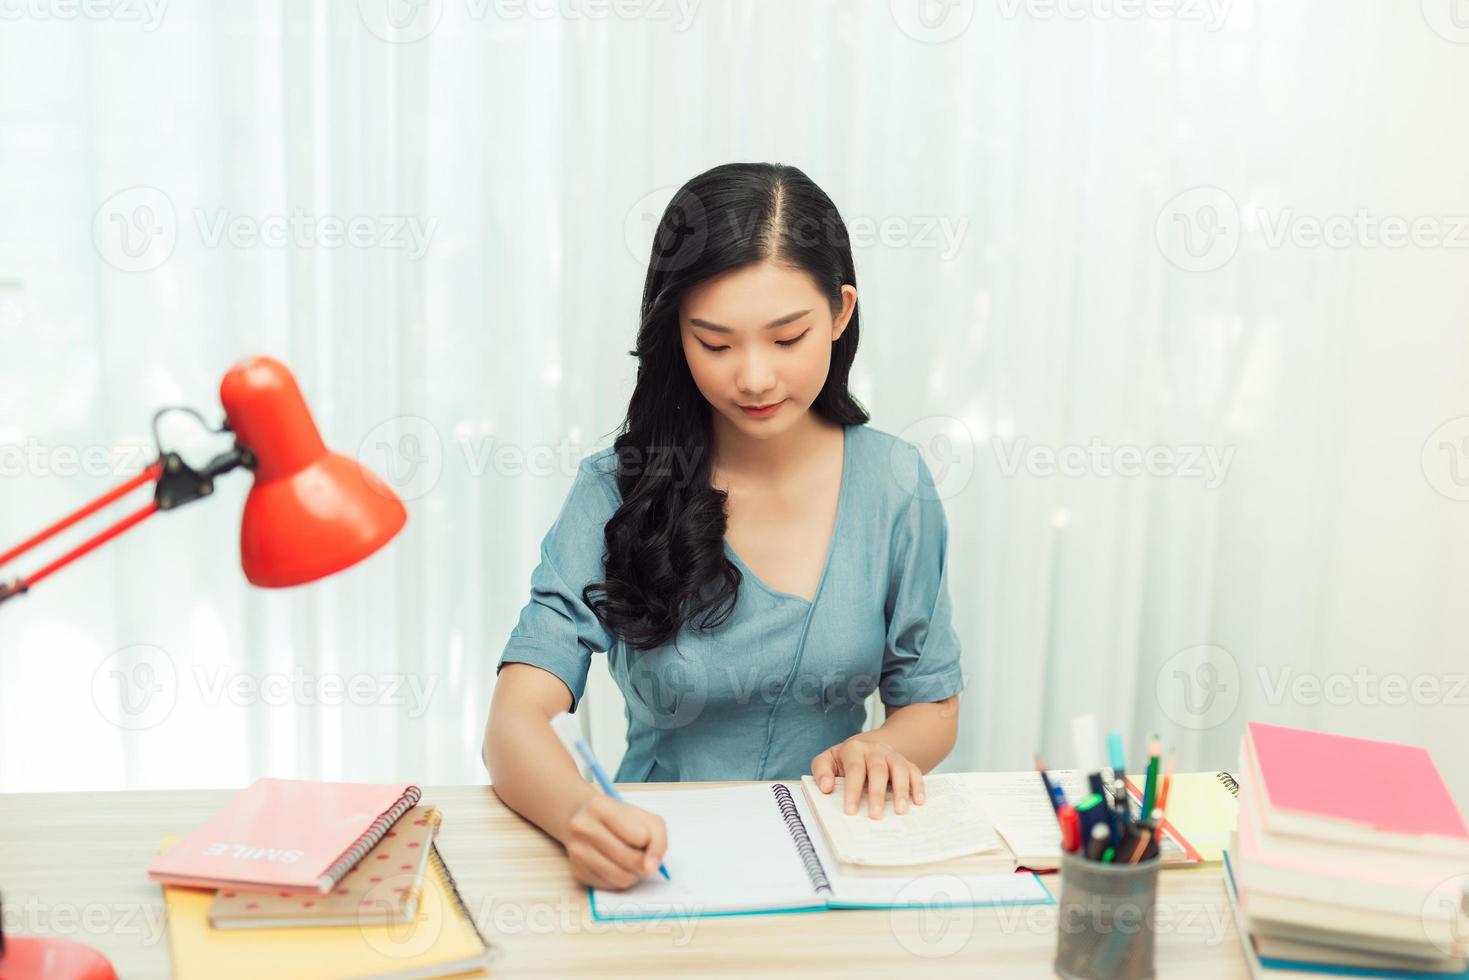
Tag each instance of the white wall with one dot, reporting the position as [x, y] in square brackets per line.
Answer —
[1019, 192]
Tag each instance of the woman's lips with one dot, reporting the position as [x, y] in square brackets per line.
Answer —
[761, 413]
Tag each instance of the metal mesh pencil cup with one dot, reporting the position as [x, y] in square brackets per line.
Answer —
[1105, 919]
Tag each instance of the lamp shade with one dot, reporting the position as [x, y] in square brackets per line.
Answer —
[311, 511]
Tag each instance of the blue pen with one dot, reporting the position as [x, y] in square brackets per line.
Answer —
[569, 732]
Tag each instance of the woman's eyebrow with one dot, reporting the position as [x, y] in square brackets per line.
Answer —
[788, 318]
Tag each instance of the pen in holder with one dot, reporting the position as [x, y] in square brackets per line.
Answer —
[1106, 919]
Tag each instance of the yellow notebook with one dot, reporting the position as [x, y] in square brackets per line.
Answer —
[442, 940]
[1204, 806]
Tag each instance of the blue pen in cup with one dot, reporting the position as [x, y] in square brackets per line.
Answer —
[566, 728]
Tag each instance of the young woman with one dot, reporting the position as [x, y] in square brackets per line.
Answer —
[754, 559]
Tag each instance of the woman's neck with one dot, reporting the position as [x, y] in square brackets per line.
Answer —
[737, 452]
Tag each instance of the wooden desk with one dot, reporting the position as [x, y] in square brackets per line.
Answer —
[72, 864]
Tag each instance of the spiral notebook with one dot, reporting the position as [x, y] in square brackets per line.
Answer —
[441, 941]
[758, 849]
[292, 835]
[387, 882]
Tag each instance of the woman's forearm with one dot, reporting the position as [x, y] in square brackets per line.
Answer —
[924, 733]
[530, 769]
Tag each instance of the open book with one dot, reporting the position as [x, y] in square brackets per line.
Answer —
[994, 821]
[1023, 817]
[750, 849]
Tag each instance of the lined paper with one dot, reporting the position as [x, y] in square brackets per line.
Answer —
[728, 851]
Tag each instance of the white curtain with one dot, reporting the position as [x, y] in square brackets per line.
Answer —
[1195, 460]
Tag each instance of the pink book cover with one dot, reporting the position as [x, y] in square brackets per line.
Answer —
[1384, 785]
[286, 834]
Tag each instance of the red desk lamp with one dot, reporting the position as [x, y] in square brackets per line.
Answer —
[311, 513]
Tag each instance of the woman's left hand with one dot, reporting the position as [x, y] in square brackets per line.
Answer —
[871, 763]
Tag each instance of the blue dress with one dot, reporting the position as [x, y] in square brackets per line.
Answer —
[782, 679]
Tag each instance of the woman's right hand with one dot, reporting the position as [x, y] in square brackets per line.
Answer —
[612, 845]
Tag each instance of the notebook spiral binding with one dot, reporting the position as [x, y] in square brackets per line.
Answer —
[452, 887]
[369, 838]
[1230, 783]
[797, 828]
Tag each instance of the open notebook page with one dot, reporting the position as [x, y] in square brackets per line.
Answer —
[951, 823]
[933, 885]
[728, 851]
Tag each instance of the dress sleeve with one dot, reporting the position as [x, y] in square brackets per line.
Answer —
[557, 630]
[921, 659]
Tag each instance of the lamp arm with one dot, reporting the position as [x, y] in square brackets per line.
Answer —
[177, 484]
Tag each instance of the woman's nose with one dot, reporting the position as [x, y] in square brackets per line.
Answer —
[755, 374]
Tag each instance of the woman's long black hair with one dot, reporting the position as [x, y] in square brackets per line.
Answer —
[665, 544]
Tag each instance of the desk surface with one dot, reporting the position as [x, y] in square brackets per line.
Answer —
[72, 864]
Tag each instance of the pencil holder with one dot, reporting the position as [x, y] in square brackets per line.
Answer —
[1106, 919]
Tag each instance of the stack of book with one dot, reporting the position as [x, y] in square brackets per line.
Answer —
[1350, 857]
[310, 879]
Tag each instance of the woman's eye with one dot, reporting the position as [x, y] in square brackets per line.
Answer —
[783, 343]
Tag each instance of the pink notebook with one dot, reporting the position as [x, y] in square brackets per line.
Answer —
[286, 835]
[1336, 786]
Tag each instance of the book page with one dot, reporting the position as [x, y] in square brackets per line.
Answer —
[1025, 820]
[973, 880]
[951, 823]
[728, 851]
[1022, 813]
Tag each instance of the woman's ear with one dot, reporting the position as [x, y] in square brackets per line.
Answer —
[849, 303]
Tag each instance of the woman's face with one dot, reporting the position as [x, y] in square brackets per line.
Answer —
[757, 336]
